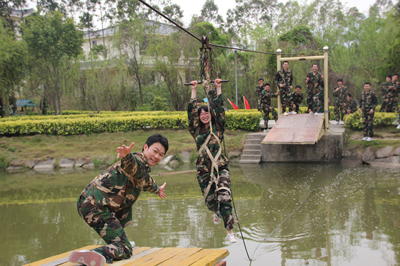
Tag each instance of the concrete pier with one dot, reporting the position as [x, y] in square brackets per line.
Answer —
[328, 149]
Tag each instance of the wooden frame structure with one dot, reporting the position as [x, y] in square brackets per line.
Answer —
[318, 57]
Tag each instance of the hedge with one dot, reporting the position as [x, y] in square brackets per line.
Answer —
[114, 123]
[354, 120]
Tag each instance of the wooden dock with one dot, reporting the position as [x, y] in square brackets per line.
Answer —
[297, 129]
[146, 256]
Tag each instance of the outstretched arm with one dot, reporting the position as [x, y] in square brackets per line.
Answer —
[194, 89]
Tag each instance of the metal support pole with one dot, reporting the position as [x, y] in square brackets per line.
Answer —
[278, 67]
[326, 81]
[236, 78]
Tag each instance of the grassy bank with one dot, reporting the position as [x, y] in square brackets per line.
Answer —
[40, 147]
[383, 137]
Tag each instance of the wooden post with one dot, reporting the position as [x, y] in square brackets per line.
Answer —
[326, 81]
[278, 67]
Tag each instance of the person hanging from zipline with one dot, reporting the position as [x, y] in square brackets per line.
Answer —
[207, 130]
[106, 203]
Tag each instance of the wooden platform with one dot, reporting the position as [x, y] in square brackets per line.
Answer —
[296, 129]
[146, 256]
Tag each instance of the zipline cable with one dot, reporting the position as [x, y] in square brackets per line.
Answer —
[197, 38]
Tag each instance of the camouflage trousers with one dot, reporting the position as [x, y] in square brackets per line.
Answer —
[318, 103]
[218, 200]
[339, 111]
[309, 100]
[368, 123]
[384, 104]
[284, 93]
[291, 108]
[109, 227]
[267, 109]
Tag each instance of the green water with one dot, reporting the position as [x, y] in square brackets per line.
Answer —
[353, 218]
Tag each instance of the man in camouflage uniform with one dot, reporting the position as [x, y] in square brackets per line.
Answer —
[340, 94]
[368, 103]
[315, 91]
[259, 90]
[393, 94]
[350, 105]
[284, 80]
[106, 203]
[266, 104]
[213, 173]
[385, 87]
[295, 99]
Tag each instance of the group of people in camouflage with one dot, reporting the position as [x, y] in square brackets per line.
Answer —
[343, 103]
[106, 203]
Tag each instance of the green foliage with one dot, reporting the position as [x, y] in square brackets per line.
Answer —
[298, 35]
[3, 163]
[159, 104]
[193, 156]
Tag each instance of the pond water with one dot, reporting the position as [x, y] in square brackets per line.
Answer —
[353, 218]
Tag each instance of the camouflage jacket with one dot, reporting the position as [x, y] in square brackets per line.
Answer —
[385, 87]
[200, 133]
[284, 77]
[340, 95]
[259, 90]
[266, 97]
[394, 92]
[368, 100]
[118, 187]
[352, 105]
[315, 83]
[296, 99]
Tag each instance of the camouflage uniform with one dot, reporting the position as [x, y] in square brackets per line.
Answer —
[352, 105]
[393, 95]
[259, 90]
[385, 99]
[266, 106]
[215, 200]
[106, 203]
[340, 98]
[368, 101]
[315, 92]
[285, 78]
[296, 99]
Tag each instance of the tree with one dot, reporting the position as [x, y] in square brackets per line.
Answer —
[12, 65]
[52, 40]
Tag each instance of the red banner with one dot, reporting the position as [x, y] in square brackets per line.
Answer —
[246, 103]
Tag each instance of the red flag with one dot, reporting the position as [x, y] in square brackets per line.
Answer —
[246, 103]
[233, 105]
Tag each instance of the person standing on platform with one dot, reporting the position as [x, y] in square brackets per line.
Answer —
[106, 203]
[295, 99]
[393, 94]
[385, 87]
[315, 91]
[266, 105]
[350, 105]
[340, 94]
[259, 90]
[284, 80]
[368, 103]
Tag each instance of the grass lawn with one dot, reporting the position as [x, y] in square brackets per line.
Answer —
[40, 147]
[383, 137]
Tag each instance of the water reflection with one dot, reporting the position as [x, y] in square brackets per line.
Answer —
[353, 218]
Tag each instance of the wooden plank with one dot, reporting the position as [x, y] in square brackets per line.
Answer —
[222, 263]
[213, 258]
[195, 257]
[155, 257]
[184, 255]
[300, 129]
[60, 256]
